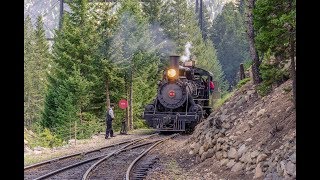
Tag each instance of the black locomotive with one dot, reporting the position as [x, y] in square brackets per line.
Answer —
[182, 99]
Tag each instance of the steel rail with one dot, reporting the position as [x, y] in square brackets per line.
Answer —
[86, 175]
[76, 154]
[143, 154]
[86, 161]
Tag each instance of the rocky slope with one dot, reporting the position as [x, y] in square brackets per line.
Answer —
[250, 137]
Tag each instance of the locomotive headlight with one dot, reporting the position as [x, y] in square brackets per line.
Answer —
[172, 73]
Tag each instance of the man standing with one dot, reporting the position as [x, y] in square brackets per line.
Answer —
[110, 117]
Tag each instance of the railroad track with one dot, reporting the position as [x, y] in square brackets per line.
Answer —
[39, 170]
[103, 163]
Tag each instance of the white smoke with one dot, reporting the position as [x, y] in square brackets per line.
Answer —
[186, 55]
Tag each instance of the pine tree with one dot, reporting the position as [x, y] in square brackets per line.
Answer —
[276, 25]
[134, 51]
[228, 36]
[37, 64]
[152, 9]
[251, 36]
[71, 89]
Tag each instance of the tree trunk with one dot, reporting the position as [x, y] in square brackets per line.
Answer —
[197, 6]
[292, 55]
[293, 71]
[253, 51]
[107, 94]
[127, 109]
[201, 17]
[130, 100]
[242, 75]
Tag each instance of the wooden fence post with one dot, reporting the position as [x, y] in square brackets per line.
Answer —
[242, 75]
[75, 132]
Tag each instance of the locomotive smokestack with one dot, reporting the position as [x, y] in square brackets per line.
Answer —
[174, 62]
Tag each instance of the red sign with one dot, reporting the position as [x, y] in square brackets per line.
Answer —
[123, 104]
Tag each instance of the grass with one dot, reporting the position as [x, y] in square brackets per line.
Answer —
[242, 82]
[142, 131]
[222, 100]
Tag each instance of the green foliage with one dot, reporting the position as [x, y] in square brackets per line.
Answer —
[275, 23]
[271, 74]
[222, 100]
[180, 23]
[37, 61]
[71, 90]
[247, 64]
[47, 139]
[242, 82]
[230, 40]
[138, 124]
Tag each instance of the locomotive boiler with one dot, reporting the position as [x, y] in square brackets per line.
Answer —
[182, 99]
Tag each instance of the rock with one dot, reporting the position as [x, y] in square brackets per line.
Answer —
[249, 92]
[225, 111]
[210, 153]
[238, 132]
[223, 117]
[25, 141]
[221, 140]
[272, 176]
[196, 148]
[232, 137]
[233, 118]
[291, 168]
[224, 162]
[250, 123]
[246, 158]
[230, 163]
[37, 152]
[226, 125]
[258, 172]
[292, 158]
[219, 155]
[289, 109]
[203, 156]
[248, 140]
[232, 153]
[237, 167]
[254, 154]
[224, 154]
[246, 98]
[198, 159]
[71, 141]
[251, 112]
[242, 150]
[27, 149]
[283, 167]
[261, 157]
[206, 146]
[191, 152]
[38, 148]
[261, 112]
[95, 137]
[240, 101]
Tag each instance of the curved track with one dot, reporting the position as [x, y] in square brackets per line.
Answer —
[57, 165]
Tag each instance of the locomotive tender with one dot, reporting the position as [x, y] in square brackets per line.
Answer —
[182, 99]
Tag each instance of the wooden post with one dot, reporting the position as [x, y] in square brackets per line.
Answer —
[70, 130]
[242, 75]
[75, 133]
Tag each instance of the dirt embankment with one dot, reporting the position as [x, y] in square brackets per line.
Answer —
[249, 137]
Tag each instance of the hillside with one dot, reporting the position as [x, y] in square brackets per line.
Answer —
[249, 137]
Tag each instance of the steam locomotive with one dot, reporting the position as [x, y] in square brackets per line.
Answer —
[182, 99]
